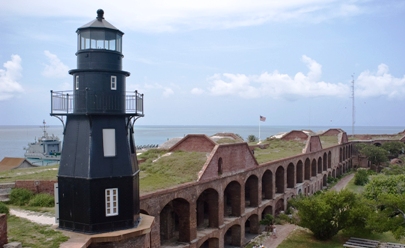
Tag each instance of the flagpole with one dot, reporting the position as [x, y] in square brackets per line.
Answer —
[259, 129]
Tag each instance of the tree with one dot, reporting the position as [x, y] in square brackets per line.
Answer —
[394, 148]
[387, 195]
[394, 169]
[381, 184]
[376, 155]
[329, 212]
[389, 214]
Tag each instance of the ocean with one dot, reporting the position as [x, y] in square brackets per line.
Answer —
[13, 139]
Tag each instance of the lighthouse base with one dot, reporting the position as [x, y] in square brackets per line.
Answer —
[92, 206]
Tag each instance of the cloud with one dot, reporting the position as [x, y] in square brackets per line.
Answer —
[9, 86]
[160, 15]
[197, 91]
[379, 83]
[55, 68]
[278, 85]
[166, 91]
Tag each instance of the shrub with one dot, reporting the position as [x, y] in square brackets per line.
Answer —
[42, 200]
[20, 196]
[252, 138]
[4, 208]
[361, 177]
[282, 219]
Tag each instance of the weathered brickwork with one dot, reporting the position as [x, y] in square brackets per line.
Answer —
[234, 193]
[194, 143]
[37, 186]
[3, 230]
[295, 135]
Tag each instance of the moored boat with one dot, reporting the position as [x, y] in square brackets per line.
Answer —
[45, 150]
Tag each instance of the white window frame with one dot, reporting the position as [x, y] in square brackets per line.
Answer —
[113, 81]
[111, 202]
[77, 82]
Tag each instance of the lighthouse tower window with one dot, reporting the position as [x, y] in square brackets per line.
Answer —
[113, 82]
[111, 202]
[109, 142]
[77, 82]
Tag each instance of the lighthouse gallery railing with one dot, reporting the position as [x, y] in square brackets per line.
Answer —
[63, 103]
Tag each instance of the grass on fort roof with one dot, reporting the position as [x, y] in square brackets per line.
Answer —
[278, 149]
[37, 173]
[163, 170]
[328, 141]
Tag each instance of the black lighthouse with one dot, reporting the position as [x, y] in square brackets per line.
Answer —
[98, 178]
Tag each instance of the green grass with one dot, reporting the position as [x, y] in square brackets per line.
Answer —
[226, 141]
[354, 188]
[160, 171]
[33, 235]
[328, 141]
[37, 173]
[278, 149]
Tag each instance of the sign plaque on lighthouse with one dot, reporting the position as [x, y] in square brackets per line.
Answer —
[98, 178]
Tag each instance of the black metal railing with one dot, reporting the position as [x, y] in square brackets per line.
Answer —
[96, 102]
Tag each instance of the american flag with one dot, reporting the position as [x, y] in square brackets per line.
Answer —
[262, 118]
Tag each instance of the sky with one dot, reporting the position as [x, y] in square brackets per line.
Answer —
[218, 62]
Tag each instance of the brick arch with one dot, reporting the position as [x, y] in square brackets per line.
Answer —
[300, 174]
[252, 224]
[267, 210]
[280, 180]
[329, 159]
[313, 168]
[324, 180]
[290, 175]
[175, 221]
[324, 161]
[267, 185]
[307, 169]
[319, 165]
[340, 154]
[207, 209]
[232, 199]
[210, 243]
[252, 191]
[233, 236]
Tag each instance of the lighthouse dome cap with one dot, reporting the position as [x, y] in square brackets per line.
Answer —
[99, 22]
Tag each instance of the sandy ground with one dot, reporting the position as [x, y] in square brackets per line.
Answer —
[36, 217]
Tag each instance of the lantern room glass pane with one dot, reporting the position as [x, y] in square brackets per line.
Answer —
[100, 39]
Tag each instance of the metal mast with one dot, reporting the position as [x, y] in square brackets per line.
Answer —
[353, 108]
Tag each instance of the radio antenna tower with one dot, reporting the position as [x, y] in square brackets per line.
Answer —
[353, 108]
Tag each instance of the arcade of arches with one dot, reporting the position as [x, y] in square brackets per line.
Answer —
[225, 211]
